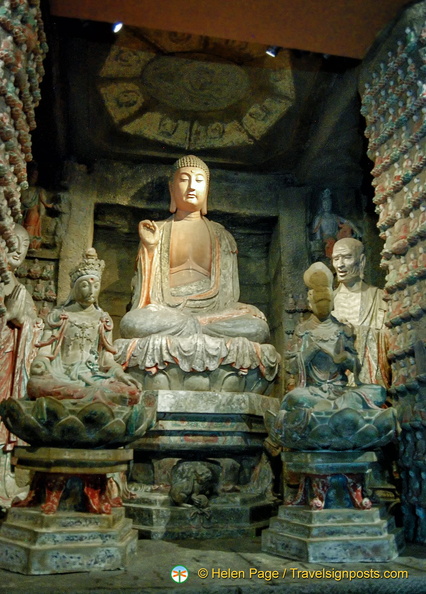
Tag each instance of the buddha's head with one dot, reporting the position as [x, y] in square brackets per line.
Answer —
[86, 280]
[319, 280]
[189, 185]
[15, 258]
[348, 260]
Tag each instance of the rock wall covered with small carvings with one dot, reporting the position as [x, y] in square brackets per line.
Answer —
[393, 90]
[22, 50]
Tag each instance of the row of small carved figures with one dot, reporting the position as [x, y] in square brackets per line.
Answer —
[404, 139]
[404, 48]
[401, 105]
[405, 271]
[41, 290]
[392, 183]
[406, 305]
[394, 124]
[296, 303]
[414, 492]
[400, 206]
[403, 338]
[407, 233]
[405, 377]
[34, 270]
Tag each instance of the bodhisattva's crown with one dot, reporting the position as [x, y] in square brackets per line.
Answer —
[191, 161]
[89, 266]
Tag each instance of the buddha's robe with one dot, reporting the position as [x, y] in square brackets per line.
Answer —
[207, 306]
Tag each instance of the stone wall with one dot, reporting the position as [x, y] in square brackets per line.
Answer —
[22, 50]
[394, 104]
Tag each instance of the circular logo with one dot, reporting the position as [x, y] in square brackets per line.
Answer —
[179, 574]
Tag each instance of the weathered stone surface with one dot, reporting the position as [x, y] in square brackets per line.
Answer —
[35, 544]
[229, 515]
[72, 461]
[332, 541]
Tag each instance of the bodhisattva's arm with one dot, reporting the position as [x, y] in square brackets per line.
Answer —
[106, 358]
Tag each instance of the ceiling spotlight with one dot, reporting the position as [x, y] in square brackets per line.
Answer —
[117, 27]
[273, 51]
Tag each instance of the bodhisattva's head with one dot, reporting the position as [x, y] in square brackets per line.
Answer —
[86, 280]
[189, 185]
[15, 258]
[348, 260]
[319, 280]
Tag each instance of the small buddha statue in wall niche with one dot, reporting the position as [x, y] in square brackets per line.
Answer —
[187, 280]
[328, 227]
[363, 307]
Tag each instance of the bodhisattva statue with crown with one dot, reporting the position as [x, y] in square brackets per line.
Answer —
[185, 307]
[76, 356]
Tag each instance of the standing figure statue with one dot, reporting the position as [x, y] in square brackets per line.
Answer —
[327, 228]
[187, 279]
[363, 307]
[19, 331]
[76, 357]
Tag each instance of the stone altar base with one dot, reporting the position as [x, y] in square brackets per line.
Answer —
[201, 471]
[229, 516]
[37, 544]
[333, 535]
[348, 528]
[48, 533]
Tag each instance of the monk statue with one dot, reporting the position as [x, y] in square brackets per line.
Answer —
[322, 352]
[362, 306]
[76, 357]
[186, 281]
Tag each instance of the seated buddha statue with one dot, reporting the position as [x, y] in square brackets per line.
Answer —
[186, 279]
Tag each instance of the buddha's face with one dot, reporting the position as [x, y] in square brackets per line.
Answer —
[189, 189]
[15, 258]
[86, 290]
[321, 302]
[348, 263]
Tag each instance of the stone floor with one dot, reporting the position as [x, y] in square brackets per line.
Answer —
[151, 569]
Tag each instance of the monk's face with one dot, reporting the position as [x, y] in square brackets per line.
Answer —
[189, 189]
[86, 290]
[16, 257]
[347, 262]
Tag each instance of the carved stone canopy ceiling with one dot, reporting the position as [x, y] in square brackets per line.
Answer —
[194, 93]
[149, 94]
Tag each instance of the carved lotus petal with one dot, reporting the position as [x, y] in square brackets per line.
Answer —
[95, 415]
[69, 430]
[366, 436]
[346, 422]
[385, 421]
[136, 420]
[321, 437]
[15, 417]
[111, 432]
[48, 411]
